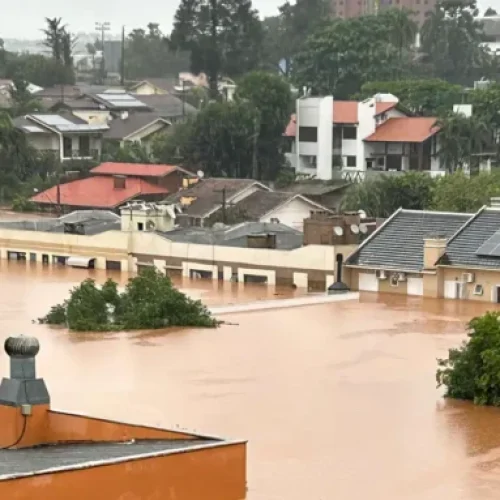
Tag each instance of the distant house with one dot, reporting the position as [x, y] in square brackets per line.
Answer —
[68, 137]
[153, 86]
[327, 194]
[112, 185]
[203, 200]
[139, 127]
[6, 86]
[238, 200]
[168, 106]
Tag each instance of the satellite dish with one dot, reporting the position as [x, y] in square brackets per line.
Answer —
[362, 214]
[338, 230]
[354, 229]
[150, 225]
[200, 174]
[363, 228]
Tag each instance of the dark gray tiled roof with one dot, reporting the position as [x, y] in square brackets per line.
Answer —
[461, 250]
[41, 458]
[119, 128]
[208, 194]
[315, 187]
[399, 244]
[166, 105]
[260, 203]
[287, 238]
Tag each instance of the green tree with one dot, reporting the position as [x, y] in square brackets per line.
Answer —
[224, 37]
[148, 55]
[149, 301]
[429, 97]
[490, 12]
[270, 96]
[342, 55]
[462, 139]
[23, 101]
[460, 193]
[61, 43]
[452, 41]
[472, 371]
[383, 195]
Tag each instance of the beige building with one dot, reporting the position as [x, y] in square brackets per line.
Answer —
[88, 239]
[431, 254]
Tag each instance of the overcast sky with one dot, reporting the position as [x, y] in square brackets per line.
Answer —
[25, 18]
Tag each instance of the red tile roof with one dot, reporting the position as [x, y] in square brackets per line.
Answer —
[407, 129]
[291, 128]
[98, 192]
[134, 169]
[345, 112]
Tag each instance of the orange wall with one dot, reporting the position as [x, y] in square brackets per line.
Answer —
[213, 474]
[11, 426]
[67, 427]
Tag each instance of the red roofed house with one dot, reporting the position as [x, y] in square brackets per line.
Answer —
[114, 184]
[351, 139]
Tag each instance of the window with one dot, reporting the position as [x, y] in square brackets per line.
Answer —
[140, 226]
[84, 146]
[308, 134]
[351, 161]
[349, 132]
[67, 147]
[380, 161]
[478, 290]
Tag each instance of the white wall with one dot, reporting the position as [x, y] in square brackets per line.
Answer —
[366, 127]
[93, 116]
[44, 142]
[291, 214]
[316, 112]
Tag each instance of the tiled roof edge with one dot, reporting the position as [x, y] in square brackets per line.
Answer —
[389, 220]
[467, 223]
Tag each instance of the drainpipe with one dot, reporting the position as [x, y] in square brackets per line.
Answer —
[61, 147]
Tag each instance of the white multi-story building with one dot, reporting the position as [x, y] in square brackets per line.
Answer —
[330, 139]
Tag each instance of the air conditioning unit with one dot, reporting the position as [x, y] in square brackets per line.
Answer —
[381, 274]
[468, 277]
[401, 277]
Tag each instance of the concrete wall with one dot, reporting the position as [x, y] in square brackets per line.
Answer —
[215, 473]
[134, 247]
[292, 214]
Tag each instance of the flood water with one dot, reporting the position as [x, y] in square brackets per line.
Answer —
[338, 401]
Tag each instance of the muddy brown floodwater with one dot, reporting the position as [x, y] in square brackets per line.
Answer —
[338, 401]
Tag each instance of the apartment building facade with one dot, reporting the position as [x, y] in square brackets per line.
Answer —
[329, 139]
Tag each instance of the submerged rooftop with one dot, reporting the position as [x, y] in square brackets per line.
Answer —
[63, 456]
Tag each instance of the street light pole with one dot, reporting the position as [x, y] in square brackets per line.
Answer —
[102, 27]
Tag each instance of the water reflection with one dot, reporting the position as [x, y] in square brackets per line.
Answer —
[338, 401]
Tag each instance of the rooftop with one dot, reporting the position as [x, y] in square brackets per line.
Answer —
[466, 247]
[120, 129]
[399, 243]
[119, 101]
[90, 221]
[134, 169]
[406, 129]
[50, 458]
[39, 123]
[207, 194]
[315, 187]
[166, 105]
[98, 192]
[287, 238]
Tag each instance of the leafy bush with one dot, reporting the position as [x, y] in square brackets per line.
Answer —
[22, 204]
[150, 301]
[472, 371]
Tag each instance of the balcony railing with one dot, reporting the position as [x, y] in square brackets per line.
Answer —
[92, 154]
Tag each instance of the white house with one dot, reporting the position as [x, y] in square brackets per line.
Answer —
[351, 138]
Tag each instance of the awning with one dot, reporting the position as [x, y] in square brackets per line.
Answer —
[79, 261]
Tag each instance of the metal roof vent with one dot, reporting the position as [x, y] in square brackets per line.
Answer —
[23, 387]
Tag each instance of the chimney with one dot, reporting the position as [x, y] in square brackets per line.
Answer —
[495, 203]
[119, 181]
[24, 399]
[434, 249]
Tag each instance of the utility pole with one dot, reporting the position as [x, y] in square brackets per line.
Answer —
[58, 194]
[213, 73]
[102, 27]
[223, 205]
[122, 62]
[255, 163]
[183, 100]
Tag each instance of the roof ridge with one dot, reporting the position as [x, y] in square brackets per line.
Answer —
[467, 223]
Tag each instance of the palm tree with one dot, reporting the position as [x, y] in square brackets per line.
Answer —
[54, 34]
